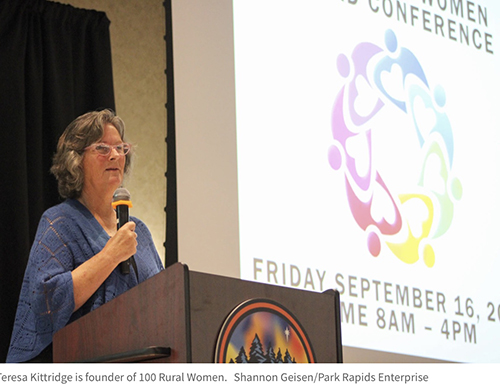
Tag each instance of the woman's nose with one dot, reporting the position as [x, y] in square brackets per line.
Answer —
[114, 153]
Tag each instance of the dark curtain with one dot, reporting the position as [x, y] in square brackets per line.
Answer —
[55, 64]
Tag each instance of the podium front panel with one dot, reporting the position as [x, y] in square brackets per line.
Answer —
[177, 316]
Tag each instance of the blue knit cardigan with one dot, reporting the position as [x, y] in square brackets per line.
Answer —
[67, 236]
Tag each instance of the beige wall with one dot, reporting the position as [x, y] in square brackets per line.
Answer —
[139, 60]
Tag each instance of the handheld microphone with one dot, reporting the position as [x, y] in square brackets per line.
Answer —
[121, 203]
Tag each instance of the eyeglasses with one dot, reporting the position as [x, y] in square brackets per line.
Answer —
[105, 149]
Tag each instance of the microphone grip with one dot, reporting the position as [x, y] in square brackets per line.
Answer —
[122, 216]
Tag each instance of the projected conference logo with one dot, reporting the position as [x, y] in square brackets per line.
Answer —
[393, 142]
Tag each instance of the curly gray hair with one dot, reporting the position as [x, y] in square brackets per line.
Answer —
[81, 133]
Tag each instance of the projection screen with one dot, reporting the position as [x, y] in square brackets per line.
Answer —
[350, 145]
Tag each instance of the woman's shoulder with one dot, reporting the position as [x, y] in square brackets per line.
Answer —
[139, 224]
[64, 214]
[67, 208]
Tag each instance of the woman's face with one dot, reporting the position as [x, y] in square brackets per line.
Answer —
[103, 174]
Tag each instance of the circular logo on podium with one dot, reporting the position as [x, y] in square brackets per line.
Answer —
[262, 331]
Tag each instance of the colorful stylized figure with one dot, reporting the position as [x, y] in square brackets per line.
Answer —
[361, 56]
[407, 63]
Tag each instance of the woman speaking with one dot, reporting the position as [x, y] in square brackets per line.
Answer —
[72, 268]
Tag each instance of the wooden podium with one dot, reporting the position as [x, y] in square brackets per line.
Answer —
[177, 315]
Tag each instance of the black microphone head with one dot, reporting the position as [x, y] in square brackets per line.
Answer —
[121, 194]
